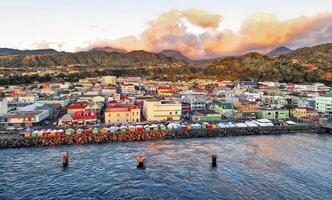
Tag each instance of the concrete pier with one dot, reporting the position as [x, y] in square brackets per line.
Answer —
[214, 160]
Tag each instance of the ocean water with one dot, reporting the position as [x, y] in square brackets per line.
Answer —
[254, 167]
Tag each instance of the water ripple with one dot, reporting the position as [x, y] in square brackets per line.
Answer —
[258, 167]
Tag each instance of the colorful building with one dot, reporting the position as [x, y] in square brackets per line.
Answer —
[76, 107]
[223, 108]
[122, 114]
[127, 88]
[247, 111]
[166, 90]
[206, 116]
[83, 117]
[273, 114]
[304, 113]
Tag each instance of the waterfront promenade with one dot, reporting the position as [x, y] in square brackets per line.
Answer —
[17, 141]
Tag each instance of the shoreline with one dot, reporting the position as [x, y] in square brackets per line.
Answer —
[18, 142]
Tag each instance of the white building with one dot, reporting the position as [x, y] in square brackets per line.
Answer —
[324, 104]
[155, 110]
[23, 118]
[127, 88]
[195, 103]
[3, 106]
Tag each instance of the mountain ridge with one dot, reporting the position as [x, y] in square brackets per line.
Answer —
[10, 51]
[281, 50]
[303, 64]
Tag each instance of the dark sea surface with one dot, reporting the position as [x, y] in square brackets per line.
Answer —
[253, 167]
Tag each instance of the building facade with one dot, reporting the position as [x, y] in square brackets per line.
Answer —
[324, 104]
[122, 114]
[195, 103]
[155, 110]
[3, 106]
[303, 113]
[127, 88]
[273, 114]
[108, 80]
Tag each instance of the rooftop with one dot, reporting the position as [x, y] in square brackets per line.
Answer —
[327, 94]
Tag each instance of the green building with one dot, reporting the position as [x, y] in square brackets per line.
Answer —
[273, 114]
[205, 115]
[62, 102]
[223, 108]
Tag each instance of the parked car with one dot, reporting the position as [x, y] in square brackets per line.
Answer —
[11, 128]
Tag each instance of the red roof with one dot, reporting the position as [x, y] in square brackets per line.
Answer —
[125, 98]
[166, 87]
[127, 84]
[112, 102]
[120, 108]
[80, 105]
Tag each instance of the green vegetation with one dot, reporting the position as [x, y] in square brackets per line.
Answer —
[305, 65]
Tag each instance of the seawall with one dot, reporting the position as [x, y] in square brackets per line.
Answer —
[17, 142]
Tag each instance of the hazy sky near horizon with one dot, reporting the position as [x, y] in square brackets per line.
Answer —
[72, 25]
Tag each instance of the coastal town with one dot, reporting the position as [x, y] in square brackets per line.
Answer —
[108, 101]
[185, 100]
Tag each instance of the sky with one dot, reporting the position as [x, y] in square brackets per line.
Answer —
[197, 28]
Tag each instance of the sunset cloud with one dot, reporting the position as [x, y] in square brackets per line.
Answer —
[43, 44]
[259, 32]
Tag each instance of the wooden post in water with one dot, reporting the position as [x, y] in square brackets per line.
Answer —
[140, 160]
[65, 159]
[214, 160]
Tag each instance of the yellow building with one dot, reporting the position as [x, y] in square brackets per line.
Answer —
[155, 110]
[122, 114]
[108, 80]
[303, 113]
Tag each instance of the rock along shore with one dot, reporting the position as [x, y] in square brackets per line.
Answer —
[19, 141]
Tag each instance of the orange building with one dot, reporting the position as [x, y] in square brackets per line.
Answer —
[166, 90]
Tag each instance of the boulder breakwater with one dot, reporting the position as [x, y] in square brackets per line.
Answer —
[20, 141]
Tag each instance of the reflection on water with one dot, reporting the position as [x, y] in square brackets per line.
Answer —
[255, 167]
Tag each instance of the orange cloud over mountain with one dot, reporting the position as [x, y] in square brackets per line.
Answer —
[260, 32]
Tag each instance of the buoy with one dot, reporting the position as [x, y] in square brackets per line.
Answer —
[140, 160]
[214, 160]
[65, 159]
